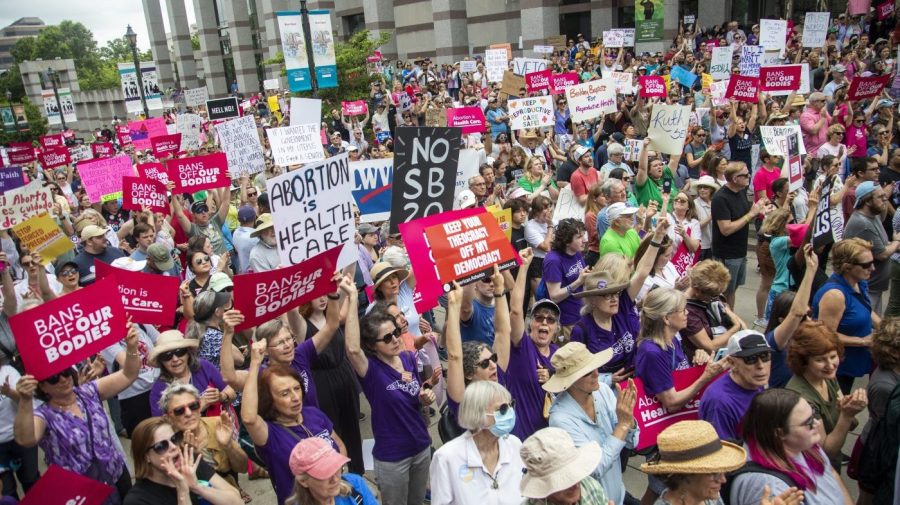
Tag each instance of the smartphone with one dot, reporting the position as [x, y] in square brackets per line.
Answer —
[720, 354]
[667, 186]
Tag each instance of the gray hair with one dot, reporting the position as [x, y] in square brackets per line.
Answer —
[615, 149]
[175, 389]
[609, 185]
[478, 398]
[471, 355]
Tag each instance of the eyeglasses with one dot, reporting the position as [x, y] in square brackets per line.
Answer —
[838, 133]
[545, 319]
[283, 343]
[867, 265]
[811, 422]
[742, 175]
[765, 357]
[194, 406]
[700, 135]
[162, 446]
[28, 264]
[387, 339]
[504, 408]
[168, 355]
[67, 272]
[54, 379]
[201, 261]
[859, 121]
[485, 363]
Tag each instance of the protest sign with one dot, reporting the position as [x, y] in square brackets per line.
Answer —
[559, 82]
[354, 108]
[59, 486]
[745, 89]
[858, 7]
[222, 108]
[771, 134]
[19, 204]
[772, 34]
[504, 219]
[506, 47]
[274, 105]
[52, 141]
[652, 418]
[628, 36]
[272, 84]
[305, 111]
[372, 181]
[312, 209]
[102, 149]
[141, 192]
[141, 131]
[884, 10]
[543, 49]
[469, 119]
[720, 65]
[102, 178]
[404, 102]
[11, 178]
[538, 81]
[54, 157]
[557, 41]
[750, 60]
[524, 66]
[624, 82]
[41, 234]
[529, 113]
[567, 206]
[668, 127]
[240, 141]
[21, 152]
[188, 125]
[196, 97]
[803, 86]
[815, 29]
[62, 332]
[466, 248]
[717, 92]
[263, 296]
[165, 145]
[466, 169]
[512, 84]
[828, 226]
[198, 172]
[495, 63]
[613, 38]
[147, 298]
[293, 145]
[652, 86]
[633, 149]
[591, 99]
[468, 66]
[428, 286]
[682, 76]
[80, 152]
[793, 167]
[781, 78]
[123, 134]
[154, 171]
[863, 88]
[425, 163]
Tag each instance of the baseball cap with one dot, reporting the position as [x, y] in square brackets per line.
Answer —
[581, 151]
[618, 137]
[91, 231]
[545, 304]
[219, 282]
[863, 190]
[465, 199]
[161, 257]
[366, 229]
[246, 214]
[315, 457]
[129, 263]
[817, 96]
[618, 210]
[747, 343]
[199, 207]
[838, 68]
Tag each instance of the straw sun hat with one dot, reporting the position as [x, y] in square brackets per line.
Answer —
[553, 463]
[572, 362]
[694, 447]
[169, 341]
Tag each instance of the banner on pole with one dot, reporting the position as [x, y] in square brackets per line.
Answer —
[323, 49]
[293, 46]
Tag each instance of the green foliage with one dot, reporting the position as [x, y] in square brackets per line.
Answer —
[195, 41]
[36, 122]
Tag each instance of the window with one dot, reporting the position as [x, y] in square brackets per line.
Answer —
[354, 23]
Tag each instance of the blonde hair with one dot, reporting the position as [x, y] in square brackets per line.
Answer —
[710, 277]
[835, 128]
[302, 496]
[530, 161]
[733, 168]
[846, 252]
[775, 223]
[659, 303]
[616, 266]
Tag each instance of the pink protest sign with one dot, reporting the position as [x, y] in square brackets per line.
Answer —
[139, 192]
[51, 141]
[147, 298]
[142, 131]
[780, 78]
[21, 152]
[165, 145]
[559, 82]
[652, 418]
[102, 178]
[743, 88]
[885, 10]
[59, 486]
[354, 108]
[55, 157]
[102, 149]
[867, 87]
[470, 119]
[538, 81]
[652, 86]
[154, 171]
[857, 7]
[199, 172]
[124, 135]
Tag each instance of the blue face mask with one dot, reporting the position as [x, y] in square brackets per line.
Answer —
[504, 423]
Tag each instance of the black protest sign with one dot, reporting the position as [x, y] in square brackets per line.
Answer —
[425, 165]
[828, 226]
[222, 108]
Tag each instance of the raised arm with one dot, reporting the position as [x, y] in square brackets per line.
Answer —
[642, 271]
[501, 320]
[643, 165]
[234, 378]
[10, 305]
[256, 426]
[358, 360]
[800, 306]
[517, 299]
[732, 127]
[456, 380]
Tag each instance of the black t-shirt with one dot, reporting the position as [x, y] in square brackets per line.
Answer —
[565, 171]
[728, 205]
[85, 262]
[147, 492]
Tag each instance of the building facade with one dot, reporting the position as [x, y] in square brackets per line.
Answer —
[21, 28]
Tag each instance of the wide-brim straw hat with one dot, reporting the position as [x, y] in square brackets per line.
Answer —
[553, 463]
[572, 362]
[382, 270]
[693, 447]
[599, 283]
[263, 223]
[169, 341]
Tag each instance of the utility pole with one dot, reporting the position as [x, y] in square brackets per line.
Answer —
[307, 39]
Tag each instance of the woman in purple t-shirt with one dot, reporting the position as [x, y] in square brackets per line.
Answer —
[564, 271]
[389, 378]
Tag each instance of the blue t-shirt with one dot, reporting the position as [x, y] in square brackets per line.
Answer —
[856, 322]
[480, 327]
[654, 365]
[497, 126]
[359, 486]
[626, 324]
[780, 374]
[564, 269]
[724, 404]
[521, 380]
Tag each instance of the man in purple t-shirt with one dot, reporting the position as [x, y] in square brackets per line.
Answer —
[727, 399]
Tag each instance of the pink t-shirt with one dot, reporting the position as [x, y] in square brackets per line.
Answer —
[763, 180]
[856, 136]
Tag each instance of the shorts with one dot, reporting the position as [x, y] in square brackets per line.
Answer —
[737, 267]
[764, 258]
[536, 268]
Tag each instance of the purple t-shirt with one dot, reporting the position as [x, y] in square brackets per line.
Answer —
[564, 269]
[654, 365]
[521, 380]
[282, 439]
[626, 325]
[206, 375]
[724, 404]
[397, 422]
[304, 354]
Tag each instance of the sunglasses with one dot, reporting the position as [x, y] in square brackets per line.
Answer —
[54, 379]
[28, 264]
[504, 408]
[201, 261]
[251, 194]
[545, 319]
[485, 363]
[168, 355]
[765, 357]
[67, 272]
[387, 339]
[486, 280]
[865, 265]
[194, 406]
[162, 446]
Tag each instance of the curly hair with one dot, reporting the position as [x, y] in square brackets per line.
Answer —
[471, 355]
[812, 338]
[886, 344]
[565, 232]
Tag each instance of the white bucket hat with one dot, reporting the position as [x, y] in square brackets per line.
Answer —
[553, 463]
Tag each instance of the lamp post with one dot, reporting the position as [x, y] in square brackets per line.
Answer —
[307, 39]
[131, 38]
[52, 76]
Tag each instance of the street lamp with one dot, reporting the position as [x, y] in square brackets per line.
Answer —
[307, 39]
[131, 38]
[52, 76]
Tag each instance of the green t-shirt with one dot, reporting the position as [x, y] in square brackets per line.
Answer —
[531, 187]
[627, 244]
[651, 190]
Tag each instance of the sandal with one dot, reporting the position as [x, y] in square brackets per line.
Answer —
[259, 473]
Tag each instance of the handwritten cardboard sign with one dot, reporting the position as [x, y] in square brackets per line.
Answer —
[468, 119]
[41, 234]
[293, 145]
[772, 34]
[189, 127]
[61, 487]
[863, 88]
[165, 145]
[751, 59]
[496, 61]
[139, 193]
[668, 127]
[652, 418]
[591, 99]
[745, 89]
[19, 204]
[525, 66]
[240, 141]
[624, 82]
[466, 248]
[102, 178]
[512, 84]
[147, 298]
[815, 28]
[529, 113]
[55, 157]
[652, 86]
[720, 65]
[198, 172]
[372, 183]
[538, 81]
[559, 82]
[781, 78]
[196, 97]
[771, 136]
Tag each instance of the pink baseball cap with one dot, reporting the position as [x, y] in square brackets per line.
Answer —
[796, 233]
[316, 457]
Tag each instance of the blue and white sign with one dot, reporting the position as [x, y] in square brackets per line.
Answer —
[372, 181]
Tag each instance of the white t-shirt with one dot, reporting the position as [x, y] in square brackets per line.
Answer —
[691, 227]
[147, 375]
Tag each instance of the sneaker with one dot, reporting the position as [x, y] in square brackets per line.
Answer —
[761, 322]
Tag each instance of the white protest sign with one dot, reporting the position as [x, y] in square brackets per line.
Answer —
[312, 210]
[627, 36]
[529, 113]
[188, 125]
[495, 63]
[24, 202]
[633, 149]
[292, 145]
[271, 84]
[772, 33]
[306, 111]
[80, 153]
[804, 81]
[196, 97]
[773, 135]
[624, 82]
[815, 29]
[750, 60]
[468, 65]
[668, 127]
[770, 59]
[567, 206]
[467, 167]
[717, 92]
[591, 99]
[404, 102]
[541, 50]
[613, 38]
[522, 66]
[720, 64]
[240, 141]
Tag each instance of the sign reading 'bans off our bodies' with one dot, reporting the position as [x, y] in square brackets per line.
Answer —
[139, 193]
[464, 249]
[312, 210]
[57, 334]
[198, 172]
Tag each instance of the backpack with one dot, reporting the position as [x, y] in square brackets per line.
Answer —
[751, 467]
[878, 462]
